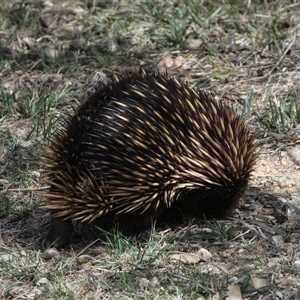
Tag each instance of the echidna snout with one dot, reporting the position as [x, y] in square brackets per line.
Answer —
[143, 144]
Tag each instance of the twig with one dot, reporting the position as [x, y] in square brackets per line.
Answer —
[283, 55]
[24, 189]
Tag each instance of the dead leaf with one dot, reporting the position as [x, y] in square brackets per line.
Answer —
[234, 293]
[191, 258]
[169, 64]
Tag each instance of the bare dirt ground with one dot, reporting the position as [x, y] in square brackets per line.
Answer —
[51, 51]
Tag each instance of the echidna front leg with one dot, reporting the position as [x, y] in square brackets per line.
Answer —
[59, 233]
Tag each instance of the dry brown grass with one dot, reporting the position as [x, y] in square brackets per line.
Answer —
[50, 51]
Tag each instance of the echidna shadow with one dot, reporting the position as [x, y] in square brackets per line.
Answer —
[140, 145]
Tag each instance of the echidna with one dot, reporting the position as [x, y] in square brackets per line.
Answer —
[140, 145]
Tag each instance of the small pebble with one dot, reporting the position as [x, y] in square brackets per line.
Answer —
[51, 253]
